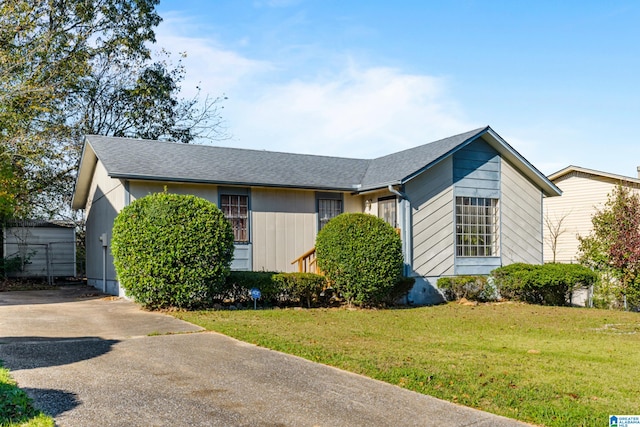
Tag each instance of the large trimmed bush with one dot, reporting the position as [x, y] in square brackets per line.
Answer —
[548, 284]
[171, 250]
[361, 255]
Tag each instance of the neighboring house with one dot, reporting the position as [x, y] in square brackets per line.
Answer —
[463, 205]
[584, 192]
[44, 248]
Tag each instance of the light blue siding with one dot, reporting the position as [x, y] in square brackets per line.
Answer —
[521, 210]
[431, 195]
[476, 173]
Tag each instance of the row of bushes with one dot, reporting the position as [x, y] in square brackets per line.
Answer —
[275, 288]
[548, 284]
[175, 251]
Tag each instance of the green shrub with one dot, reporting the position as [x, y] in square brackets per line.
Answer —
[361, 256]
[473, 288]
[12, 264]
[304, 287]
[171, 250]
[238, 285]
[548, 284]
[399, 290]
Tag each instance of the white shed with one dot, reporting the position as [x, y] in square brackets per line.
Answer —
[42, 248]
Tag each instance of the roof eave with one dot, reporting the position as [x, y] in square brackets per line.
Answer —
[88, 161]
[136, 177]
[548, 188]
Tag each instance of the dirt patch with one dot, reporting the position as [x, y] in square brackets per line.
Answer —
[7, 285]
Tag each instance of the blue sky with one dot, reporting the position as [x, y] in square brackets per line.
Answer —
[558, 80]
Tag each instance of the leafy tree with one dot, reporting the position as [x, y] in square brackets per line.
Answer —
[614, 244]
[72, 67]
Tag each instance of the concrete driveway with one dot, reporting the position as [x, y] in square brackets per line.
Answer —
[91, 360]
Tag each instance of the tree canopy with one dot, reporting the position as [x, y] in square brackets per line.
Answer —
[614, 244]
[74, 67]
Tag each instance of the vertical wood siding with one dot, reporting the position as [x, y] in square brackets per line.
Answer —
[521, 215]
[582, 196]
[431, 196]
[283, 227]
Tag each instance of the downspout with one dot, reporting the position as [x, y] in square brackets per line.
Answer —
[405, 226]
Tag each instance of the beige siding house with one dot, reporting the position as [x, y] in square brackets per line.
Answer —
[463, 205]
[584, 192]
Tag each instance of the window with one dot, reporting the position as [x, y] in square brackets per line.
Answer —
[387, 211]
[327, 209]
[476, 227]
[236, 209]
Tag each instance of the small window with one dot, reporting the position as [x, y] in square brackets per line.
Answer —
[477, 228]
[328, 209]
[236, 209]
[387, 211]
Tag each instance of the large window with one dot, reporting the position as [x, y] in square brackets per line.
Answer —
[236, 210]
[387, 210]
[477, 228]
[327, 209]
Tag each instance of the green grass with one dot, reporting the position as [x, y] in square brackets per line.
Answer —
[545, 365]
[16, 407]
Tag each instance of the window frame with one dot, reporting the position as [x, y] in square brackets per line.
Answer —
[233, 212]
[387, 199]
[328, 197]
[477, 227]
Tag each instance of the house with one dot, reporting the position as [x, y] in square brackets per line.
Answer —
[463, 205]
[584, 192]
[43, 249]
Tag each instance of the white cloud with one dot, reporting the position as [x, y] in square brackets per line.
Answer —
[353, 111]
[214, 68]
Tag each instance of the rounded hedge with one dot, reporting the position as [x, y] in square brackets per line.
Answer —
[171, 250]
[362, 256]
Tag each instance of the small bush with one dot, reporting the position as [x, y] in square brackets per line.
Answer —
[361, 256]
[473, 288]
[402, 287]
[548, 284]
[304, 287]
[171, 250]
[238, 285]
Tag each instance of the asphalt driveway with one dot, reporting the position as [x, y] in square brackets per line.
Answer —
[88, 360]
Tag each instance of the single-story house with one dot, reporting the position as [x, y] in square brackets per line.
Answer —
[43, 249]
[463, 205]
[584, 192]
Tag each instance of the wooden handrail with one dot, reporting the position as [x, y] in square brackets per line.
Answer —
[307, 262]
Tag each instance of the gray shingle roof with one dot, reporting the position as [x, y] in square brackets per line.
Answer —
[167, 161]
[397, 167]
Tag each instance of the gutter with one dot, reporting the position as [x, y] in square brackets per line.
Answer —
[405, 227]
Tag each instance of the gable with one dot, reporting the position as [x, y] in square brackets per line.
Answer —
[476, 170]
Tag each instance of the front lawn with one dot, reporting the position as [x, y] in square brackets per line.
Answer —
[552, 366]
[16, 408]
